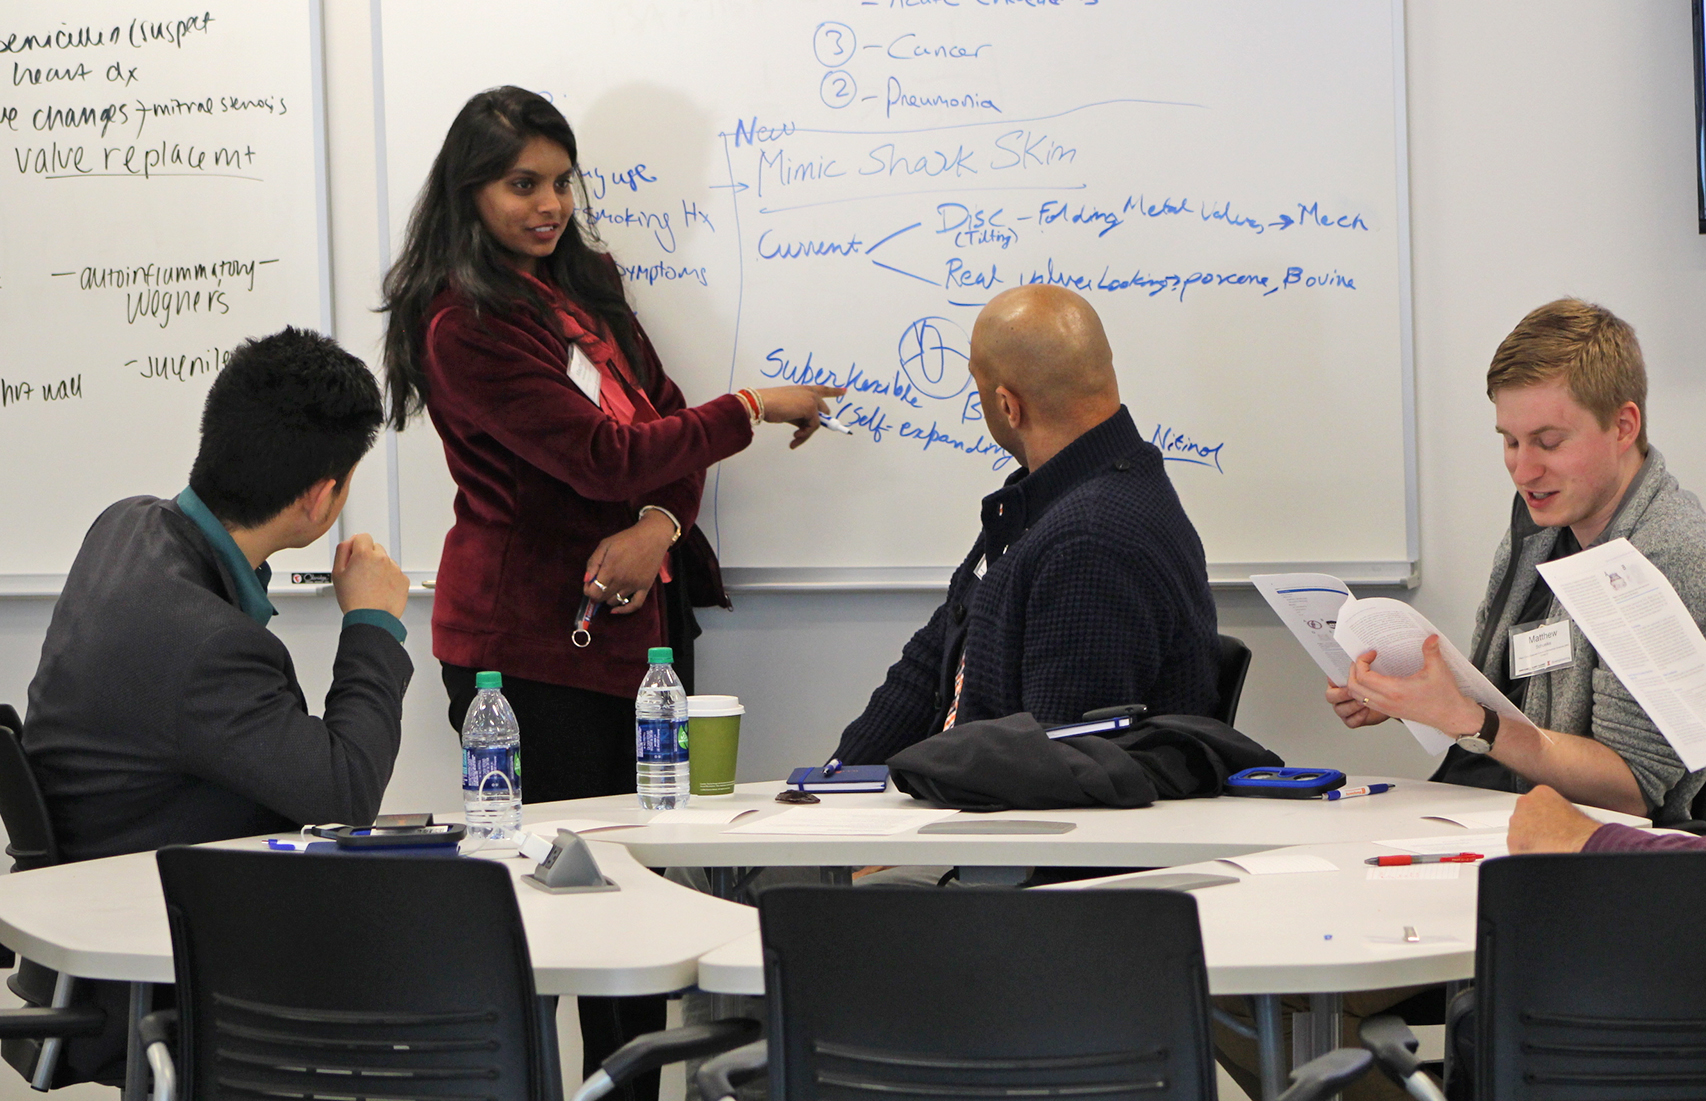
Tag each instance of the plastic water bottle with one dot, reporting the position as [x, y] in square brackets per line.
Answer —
[660, 735]
[491, 762]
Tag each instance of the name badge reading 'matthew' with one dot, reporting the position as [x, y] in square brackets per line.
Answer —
[1540, 648]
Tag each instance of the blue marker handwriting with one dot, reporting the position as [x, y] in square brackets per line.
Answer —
[779, 366]
[933, 435]
[660, 272]
[773, 249]
[1053, 210]
[908, 47]
[656, 221]
[599, 181]
[781, 170]
[974, 227]
[1176, 447]
[896, 95]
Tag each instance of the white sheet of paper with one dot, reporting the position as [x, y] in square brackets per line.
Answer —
[1418, 871]
[1280, 863]
[1308, 604]
[833, 821]
[1476, 820]
[1396, 631]
[699, 816]
[548, 830]
[1633, 617]
[1487, 844]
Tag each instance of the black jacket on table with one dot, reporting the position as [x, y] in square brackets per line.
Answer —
[164, 714]
[1093, 592]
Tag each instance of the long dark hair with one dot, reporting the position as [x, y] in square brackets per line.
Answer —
[447, 244]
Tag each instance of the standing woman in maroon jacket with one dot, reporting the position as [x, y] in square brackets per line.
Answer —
[578, 464]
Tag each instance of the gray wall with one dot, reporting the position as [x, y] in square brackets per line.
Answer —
[1551, 152]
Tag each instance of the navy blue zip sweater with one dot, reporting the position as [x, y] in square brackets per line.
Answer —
[1094, 593]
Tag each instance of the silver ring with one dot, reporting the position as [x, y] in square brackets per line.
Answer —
[625, 600]
[600, 584]
[581, 637]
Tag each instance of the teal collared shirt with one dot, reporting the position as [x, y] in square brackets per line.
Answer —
[252, 582]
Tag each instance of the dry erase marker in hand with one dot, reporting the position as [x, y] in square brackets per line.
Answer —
[830, 422]
[1352, 793]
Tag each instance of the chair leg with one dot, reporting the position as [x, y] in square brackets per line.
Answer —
[1270, 1043]
[47, 1062]
[136, 1057]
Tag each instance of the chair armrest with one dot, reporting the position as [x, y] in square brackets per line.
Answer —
[158, 1027]
[672, 1045]
[156, 1031]
[718, 1078]
[41, 1023]
[1393, 1044]
[1326, 1075]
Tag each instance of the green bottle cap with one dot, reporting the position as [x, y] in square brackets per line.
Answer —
[660, 655]
[488, 680]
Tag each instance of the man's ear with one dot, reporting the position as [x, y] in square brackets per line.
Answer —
[1012, 407]
[1627, 421]
[318, 501]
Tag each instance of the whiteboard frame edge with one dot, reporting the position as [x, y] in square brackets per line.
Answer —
[1406, 305]
[322, 200]
[382, 180]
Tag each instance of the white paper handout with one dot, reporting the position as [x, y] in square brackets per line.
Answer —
[1396, 631]
[831, 821]
[1308, 604]
[1477, 819]
[1638, 624]
[1280, 863]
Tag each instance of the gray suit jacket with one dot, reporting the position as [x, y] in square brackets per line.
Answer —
[162, 714]
[1665, 523]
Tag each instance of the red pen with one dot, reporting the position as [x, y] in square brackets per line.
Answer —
[1423, 858]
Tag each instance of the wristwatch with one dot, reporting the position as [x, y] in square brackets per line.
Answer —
[1482, 740]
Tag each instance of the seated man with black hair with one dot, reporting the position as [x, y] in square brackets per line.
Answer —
[164, 711]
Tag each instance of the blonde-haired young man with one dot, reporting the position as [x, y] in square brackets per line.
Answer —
[1570, 391]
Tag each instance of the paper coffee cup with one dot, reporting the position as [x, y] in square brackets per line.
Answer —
[713, 744]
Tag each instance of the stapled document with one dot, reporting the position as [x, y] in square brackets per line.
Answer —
[1642, 629]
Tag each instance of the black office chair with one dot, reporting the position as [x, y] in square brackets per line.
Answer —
[376, 977]
[1234, 667]
[50, 1012]
[980, 994]
[1590, 982]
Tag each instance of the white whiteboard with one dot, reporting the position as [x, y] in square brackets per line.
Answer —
[162, 191]
[827, 191]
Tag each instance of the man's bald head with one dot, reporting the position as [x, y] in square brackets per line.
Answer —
[1046, 344]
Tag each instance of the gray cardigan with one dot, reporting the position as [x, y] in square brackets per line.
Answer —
[163, 714]
[1664, 522]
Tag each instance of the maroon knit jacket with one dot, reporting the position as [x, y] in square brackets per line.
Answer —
[542, 476]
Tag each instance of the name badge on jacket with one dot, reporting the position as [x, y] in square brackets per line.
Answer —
[583, 374]
[1540, 647]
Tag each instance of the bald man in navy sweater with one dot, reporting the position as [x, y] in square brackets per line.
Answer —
[1087, 586]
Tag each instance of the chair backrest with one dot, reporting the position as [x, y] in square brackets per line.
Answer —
[977, 993]
[1590, 977]
[355, 976]
[1234, 666]
[29, 831]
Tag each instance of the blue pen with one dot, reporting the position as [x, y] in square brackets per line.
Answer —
[830, 422]
[832, 766]
[1352, 793]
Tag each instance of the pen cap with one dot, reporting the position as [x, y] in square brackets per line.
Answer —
[660, 655]
[488, 679]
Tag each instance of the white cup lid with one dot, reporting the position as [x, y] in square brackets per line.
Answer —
[711, 707]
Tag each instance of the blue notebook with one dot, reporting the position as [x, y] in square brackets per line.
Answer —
[848, 778]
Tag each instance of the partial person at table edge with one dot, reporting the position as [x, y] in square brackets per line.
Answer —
[164, 710]
[1546, 822]
[1569, 387]
[1087, 585]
